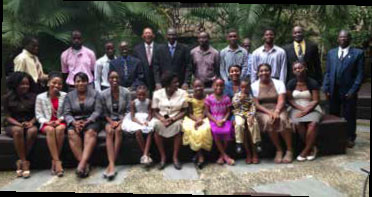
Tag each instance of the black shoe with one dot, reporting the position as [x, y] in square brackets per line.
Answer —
[239, 149]
[111, 177]
[177, 165]
[161, 166]
[350, 144]
[200, 165]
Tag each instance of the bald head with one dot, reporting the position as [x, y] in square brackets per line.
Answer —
[124, 48]
[298, 33]
[344, 38]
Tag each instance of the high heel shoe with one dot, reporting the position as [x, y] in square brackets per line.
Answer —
[19, 168]
[59, 168]
[228, 160]
[53, 168]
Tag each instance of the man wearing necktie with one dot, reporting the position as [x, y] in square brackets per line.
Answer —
[342, 81]
[173, 57]
[304, 51]
[146, 52]
[129, 68]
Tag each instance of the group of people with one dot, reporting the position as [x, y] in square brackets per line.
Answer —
[273, 90]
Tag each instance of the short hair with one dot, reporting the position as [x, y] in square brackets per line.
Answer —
[197, 79]
[347, 32]
[76, 31]
[205, 33]
[109, 73]
[152, 31]
[235, 65]
[141, 86]
[264, 64]
[167, 78]
[109, 42]
[54, 74]
[232, 31]
[268, 29]
[27, 40]
[246, 80]
[15, 80]
[299, 62]
[82, 76]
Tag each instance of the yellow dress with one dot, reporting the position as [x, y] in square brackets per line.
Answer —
[202, 137]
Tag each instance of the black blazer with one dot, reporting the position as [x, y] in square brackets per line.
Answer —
[135, 70]
[179, 64]
[148, 70]
[311, 58]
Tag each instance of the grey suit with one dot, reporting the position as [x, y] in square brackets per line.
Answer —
[124, 103]
[92, 107]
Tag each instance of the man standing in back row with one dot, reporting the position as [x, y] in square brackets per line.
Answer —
[272, 55]
[173, 57]
[146, 52]
[342, 81]
[303, 51]
[77, 59]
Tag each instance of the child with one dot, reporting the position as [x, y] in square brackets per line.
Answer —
[139, 120]
[218, 111]
[244, 112]
[196, 128]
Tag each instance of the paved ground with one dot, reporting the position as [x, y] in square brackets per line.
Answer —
[327, 176]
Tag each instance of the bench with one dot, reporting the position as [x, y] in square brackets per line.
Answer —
[331, 140]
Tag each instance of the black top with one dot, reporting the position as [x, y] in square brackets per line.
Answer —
[310, 83]
[21, 108]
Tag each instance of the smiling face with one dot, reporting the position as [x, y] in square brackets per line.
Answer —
[269, 37]
[233, 38]
[234, 73]
[81, 85]
[114, 79]
[298, 34]
[148, 36]
[55, 85]
[218, 86]
[124, 49]
[264, 73]
[24, 86]
[198, 87]
[141, 94]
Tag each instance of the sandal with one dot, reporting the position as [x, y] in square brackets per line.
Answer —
[228, 160]
[53, 168]
[26, 169]
[59, 169]
[255, 160]
[278, 157]
[248, 160]
[288, 158]
[19, 168]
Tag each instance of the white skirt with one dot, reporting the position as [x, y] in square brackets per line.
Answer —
[131, 127]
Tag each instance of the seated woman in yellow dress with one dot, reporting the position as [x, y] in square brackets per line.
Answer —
[196, 127]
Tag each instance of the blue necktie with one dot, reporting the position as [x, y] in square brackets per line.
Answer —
[171, 50]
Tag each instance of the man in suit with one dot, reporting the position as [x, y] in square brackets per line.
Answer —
[305, 51]
[173, 57]
[342, 81]
[129, 68]
[146, 52]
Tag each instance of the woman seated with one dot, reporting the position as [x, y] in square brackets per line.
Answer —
[272, 116]
[115, 104]
[48, 112]
[169, 105]
[19, 108]
[82, 110]
[305, 114]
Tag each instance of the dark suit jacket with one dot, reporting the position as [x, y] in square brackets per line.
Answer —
[135, 69]
[311, 58]
[148, 70]
[352, 72]
[179, 64]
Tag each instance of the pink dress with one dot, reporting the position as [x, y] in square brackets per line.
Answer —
[218, 110]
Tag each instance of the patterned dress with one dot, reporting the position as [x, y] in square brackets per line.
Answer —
[218, 109]
[202, 137]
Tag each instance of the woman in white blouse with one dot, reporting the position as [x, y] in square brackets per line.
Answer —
[48, 112]
[169, 105]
